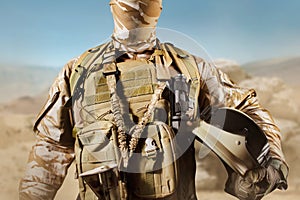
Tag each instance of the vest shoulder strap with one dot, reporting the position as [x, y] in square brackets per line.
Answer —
[82, 64]
[187, 64]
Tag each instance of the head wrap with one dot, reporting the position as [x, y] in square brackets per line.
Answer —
[135, 22]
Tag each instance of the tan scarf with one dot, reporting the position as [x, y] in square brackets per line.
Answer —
[135, 23]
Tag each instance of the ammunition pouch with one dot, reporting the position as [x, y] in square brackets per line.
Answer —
[97, 162]
[153, 169]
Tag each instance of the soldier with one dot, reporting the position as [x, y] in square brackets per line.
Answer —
[112, 109]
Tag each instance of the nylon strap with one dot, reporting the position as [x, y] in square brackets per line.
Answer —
[138, 129]
[188, 66]
[82, 63]
[116, 110]
[161, 65]
[119, 120]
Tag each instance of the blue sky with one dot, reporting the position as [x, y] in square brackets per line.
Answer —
[50, 32]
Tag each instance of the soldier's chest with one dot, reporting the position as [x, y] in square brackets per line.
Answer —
[135, 85]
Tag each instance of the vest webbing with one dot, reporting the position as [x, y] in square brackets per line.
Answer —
[185, 62]
[181, 59]
[188, 66]
[83, 63]
[115, 106]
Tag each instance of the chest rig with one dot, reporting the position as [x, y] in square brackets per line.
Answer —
[112, 99]
[137, 80]
[135, 83]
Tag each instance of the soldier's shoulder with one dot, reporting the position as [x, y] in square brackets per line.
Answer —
[183, 53]
[98, 47]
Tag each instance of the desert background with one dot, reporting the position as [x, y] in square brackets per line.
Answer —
[24, 90]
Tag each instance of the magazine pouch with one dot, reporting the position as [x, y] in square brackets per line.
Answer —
[153, 166]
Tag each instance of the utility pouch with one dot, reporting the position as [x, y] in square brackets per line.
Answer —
[103, 181]
[98, 161]
[98, 145]
[153, 166]
[181, 100]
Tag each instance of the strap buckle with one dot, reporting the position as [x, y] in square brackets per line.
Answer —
[151, 148]
[110, 69]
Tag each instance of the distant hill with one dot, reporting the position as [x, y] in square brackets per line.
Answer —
[16, 82]
[287, 69]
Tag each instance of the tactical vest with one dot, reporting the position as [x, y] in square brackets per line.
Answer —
[154, 170]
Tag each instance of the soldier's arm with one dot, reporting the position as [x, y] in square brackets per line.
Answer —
[217, 90]
[53, 152]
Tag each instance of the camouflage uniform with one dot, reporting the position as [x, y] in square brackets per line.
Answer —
[53, 152]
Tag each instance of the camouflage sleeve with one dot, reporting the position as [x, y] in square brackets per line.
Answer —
[46, 169]
[218, 90]
[53, 152]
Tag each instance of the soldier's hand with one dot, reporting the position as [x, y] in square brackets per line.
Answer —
[255, 184]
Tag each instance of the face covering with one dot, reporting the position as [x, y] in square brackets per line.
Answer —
[135, 23]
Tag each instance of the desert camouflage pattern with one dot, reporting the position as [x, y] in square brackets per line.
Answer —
[135, 22]
[45, 173]
[53, 153]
